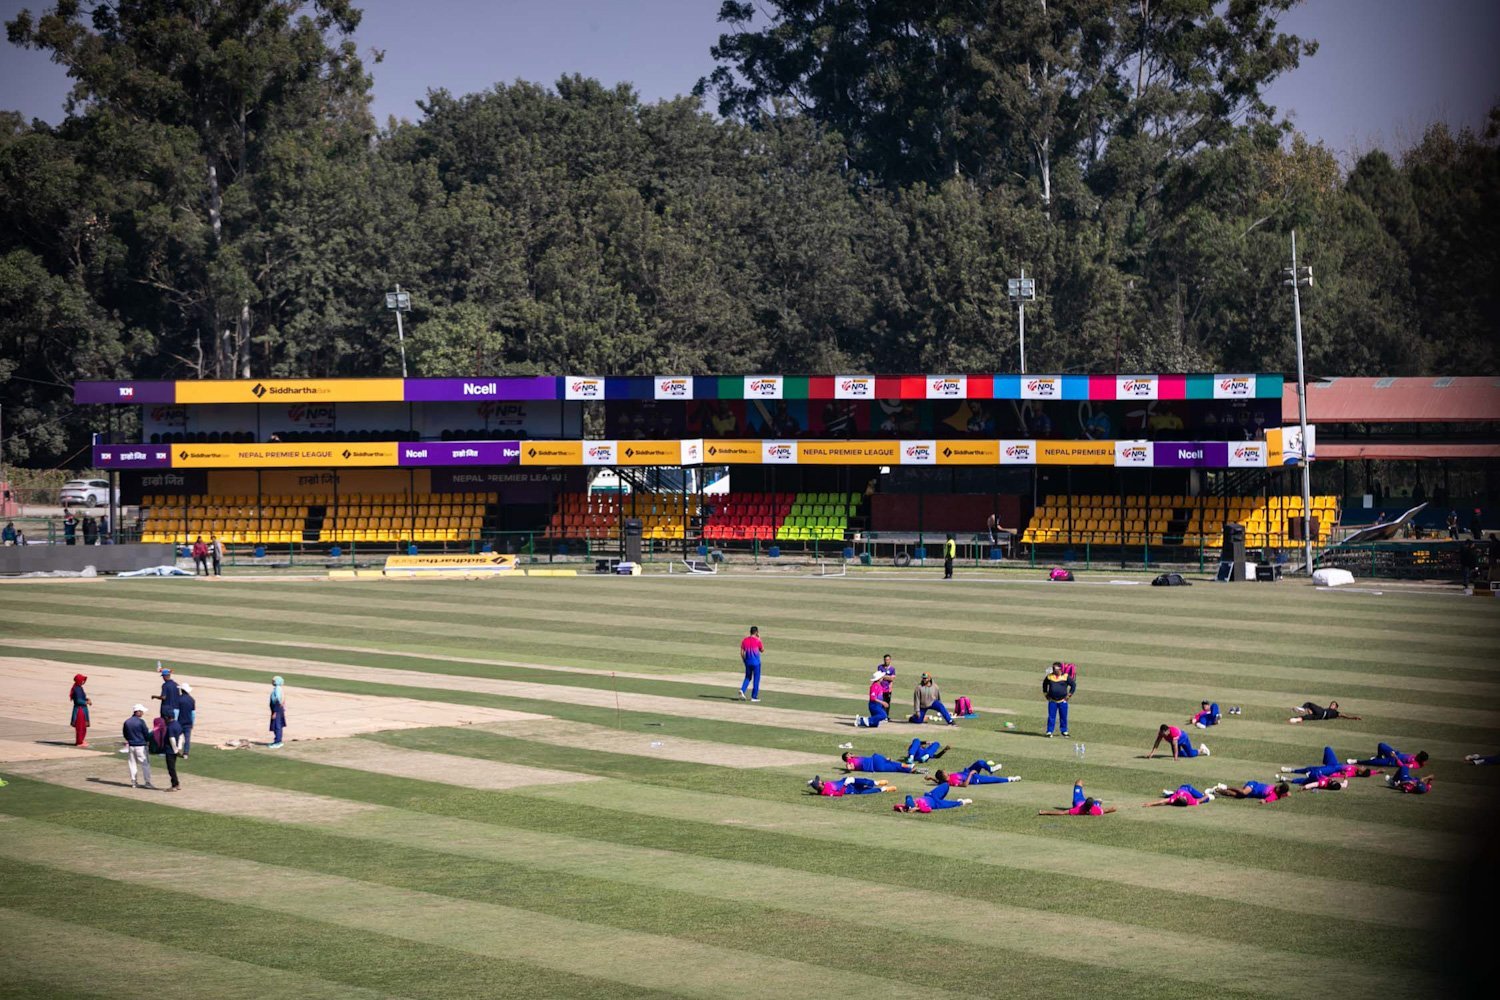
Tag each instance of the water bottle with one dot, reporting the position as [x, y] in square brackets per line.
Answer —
[1078, 750]
[1082, 750]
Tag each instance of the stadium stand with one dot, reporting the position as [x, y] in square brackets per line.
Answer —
[739, 517]
[325, 519]
[1171, 519]
[818, 517]
[598, 515]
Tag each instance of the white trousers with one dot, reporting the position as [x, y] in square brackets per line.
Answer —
[139, 759]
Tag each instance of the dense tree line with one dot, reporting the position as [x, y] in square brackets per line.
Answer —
[219, 202]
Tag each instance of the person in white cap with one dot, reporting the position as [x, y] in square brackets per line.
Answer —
[187, 714]
[137, 747]
[878, 714]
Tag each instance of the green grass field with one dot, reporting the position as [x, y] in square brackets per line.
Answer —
[653, 836]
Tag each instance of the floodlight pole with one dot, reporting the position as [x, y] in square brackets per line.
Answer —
[1021, 325]
[1018, 290]
[399, 302]
[1296, 280]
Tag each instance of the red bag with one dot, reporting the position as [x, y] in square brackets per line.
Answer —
[963, 706]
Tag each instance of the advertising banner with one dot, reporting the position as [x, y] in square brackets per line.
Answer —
[649, 453]
[552, 453]
[763, 386]
[1133, 454]
[968, 452]
[600, 452]
[459, 453]
[673, 387]
[849, 452]
[457, 565]
[132, 456]
[1192, 454]
[1291, 444]
[947, 386]
[457, 390]
[1234, 387]
[1136, 387]
[1017, 452]
[731, 452]
[1041, 387]
[919, 453]
[284, 456]
[1075, 452]
[124, 392]
[583, 387]
[778, 452]
[692, 451]
[854, 387]
[311, 390]
[1247, 455]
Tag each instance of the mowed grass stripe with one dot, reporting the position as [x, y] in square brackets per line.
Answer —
[667, 644]
[650, 961]
[95, 959]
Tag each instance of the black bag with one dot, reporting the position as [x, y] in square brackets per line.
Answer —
[1170, 580]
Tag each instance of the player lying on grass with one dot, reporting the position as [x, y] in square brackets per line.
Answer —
[920, 753]
[876, 763]
[1082, 806]
[933, 798]
[839, 787]
[1255, 790]
[1182, 746]
[981, 772]
[1331, 767]
[1317, 713]
[1206, 716]
[1182, 795]
[1483, 759]
[1404, 781]
[1388, 756]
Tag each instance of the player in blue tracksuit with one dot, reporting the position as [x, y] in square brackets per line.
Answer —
[278, 712]
[170, 693]
[875, 763]
[919, 752]
[187, 714]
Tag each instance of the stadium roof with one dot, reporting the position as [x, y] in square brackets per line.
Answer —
[1427, 399]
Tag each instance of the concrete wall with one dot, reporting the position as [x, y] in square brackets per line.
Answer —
[104, 558]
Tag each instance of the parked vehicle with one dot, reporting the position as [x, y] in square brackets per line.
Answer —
[87, 493]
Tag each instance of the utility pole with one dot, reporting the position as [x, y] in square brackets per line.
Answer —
[1019, 290]
[399, 302]
[1297, 278]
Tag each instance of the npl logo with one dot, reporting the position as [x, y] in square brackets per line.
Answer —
[919, 453]
[1135, 387]
[854, 387]
[1132, 454]
[780, 452]
[1234, 386]
[1041, 388]
[599, 452]
[674, 388]
[584, 388]
[1248, 456]
[763, 387]
[947, 386]
[1018, 453]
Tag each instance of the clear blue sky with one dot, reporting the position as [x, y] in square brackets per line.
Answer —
[1385, 70]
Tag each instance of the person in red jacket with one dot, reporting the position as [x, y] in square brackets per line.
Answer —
[200, 557]
[79, 719]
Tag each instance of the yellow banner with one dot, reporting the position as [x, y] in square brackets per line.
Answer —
[648, 453]
[292, 390]
[480, 562]
[1275, 458]
[551, 452]
[285, 456]
[731, 452]
[968, 453]
[1075, 453]
[849, 452]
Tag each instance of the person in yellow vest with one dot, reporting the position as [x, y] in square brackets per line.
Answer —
[950, 549]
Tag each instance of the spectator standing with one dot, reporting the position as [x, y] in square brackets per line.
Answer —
[90, 530]
[171, 748]
[1452, 524]
[137, 747]
[170, 693]
[105, 538]
[216, 552]
[750, 650]
[950, 549]
[1057, 688]
[278, 711]
[8, 535]
[79, 717]
[200, 557]
[187, 715]
[1476, 526]
[70, 528]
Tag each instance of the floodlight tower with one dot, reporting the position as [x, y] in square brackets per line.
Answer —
[399, 302]
[1020, 291]
[1297, 277]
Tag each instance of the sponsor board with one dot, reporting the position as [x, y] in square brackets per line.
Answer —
[731, 452]
[778, 452]
[582, 387]
[459, 453]
[477, 564]
[1133, 454]
[763, 386]
[1234, 387]
[850, 452]
[600, 452]
[853, 387]
[918, 453]
[283, 456]
[296, 390]
[1192, 454]
[1247, 455]
[125, 392]
[692, 451]
[673, 387]
[1291, 444]
[1017, 452]
[457, 390]
[1136, 387]
[968, 452]
[551, 452]
[132, 456]
[649, 453]
[947, 386]
[1041, 387]
[1075, 452]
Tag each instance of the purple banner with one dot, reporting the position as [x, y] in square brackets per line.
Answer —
[132, 456]
[459, 453]
[448, 390]
[1191, 454]
[124, 392]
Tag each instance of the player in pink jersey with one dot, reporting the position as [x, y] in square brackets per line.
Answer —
[930, 800]
[981, 772]
[751, 649]
[840, 787]
[1082, 805]
[1182, 795]
[1388, 756]
[1404, 781]
[1182, 745]
[880, 686]
[1255, 790]
[876, 763]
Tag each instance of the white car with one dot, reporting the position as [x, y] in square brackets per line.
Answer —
[87, 493]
